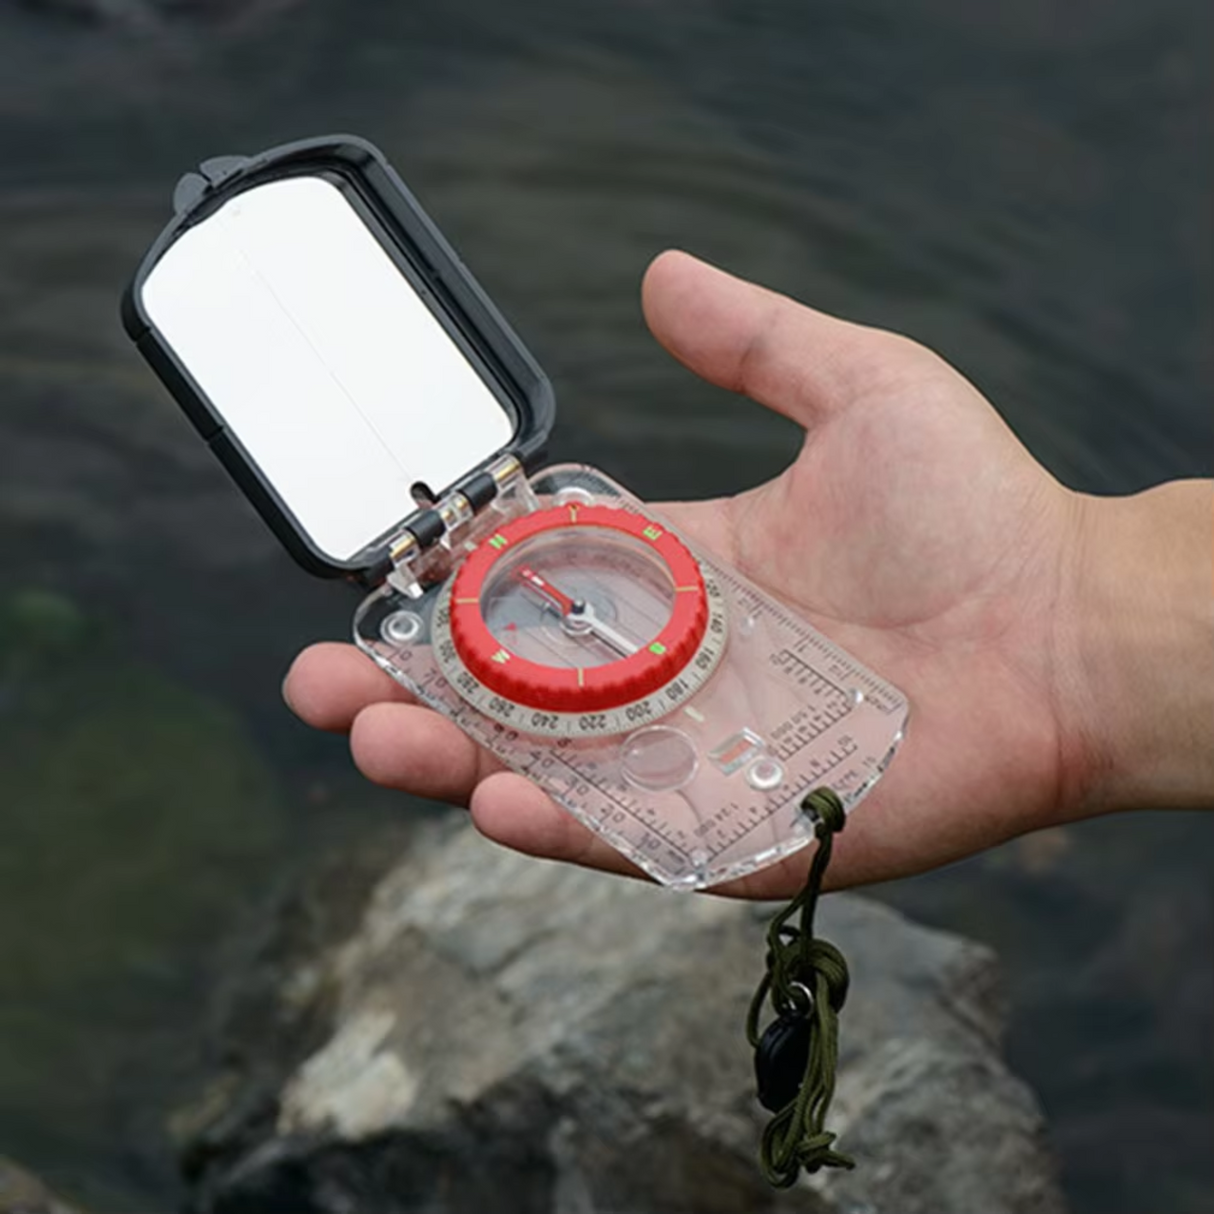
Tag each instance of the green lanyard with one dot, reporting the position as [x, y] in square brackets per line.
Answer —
[796, 1056]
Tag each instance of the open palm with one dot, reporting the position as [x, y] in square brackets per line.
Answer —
[913, 529]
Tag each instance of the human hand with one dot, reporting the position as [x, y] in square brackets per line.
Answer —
[913, 529]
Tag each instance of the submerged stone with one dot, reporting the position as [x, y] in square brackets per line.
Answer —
[23, 1193]
[135, 816]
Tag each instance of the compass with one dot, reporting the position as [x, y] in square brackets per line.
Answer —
[366, 394]
[579, 620]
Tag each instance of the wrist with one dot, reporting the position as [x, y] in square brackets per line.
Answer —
[1139, 681]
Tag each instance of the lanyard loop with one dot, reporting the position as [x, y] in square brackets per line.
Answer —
[797, 1055]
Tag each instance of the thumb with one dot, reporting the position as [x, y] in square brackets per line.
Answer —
[799, 362]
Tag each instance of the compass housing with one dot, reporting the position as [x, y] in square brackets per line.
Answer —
[332, 349]
[576, 685]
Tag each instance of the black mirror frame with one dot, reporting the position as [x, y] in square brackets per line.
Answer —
[422, 254]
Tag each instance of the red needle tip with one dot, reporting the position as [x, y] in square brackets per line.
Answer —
[562, 602]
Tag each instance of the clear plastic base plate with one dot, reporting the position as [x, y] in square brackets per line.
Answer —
[682, 718]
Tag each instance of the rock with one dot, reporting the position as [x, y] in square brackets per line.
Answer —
[21, 1193]
[503, 1034]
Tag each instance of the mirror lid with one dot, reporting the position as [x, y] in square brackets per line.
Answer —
[519, 390]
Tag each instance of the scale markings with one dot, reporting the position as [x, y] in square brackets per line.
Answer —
[627, 806]
[815, 687]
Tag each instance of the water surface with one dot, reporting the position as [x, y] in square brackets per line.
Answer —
[1027, 190]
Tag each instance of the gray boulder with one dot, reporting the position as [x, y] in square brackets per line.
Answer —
[501, 1034]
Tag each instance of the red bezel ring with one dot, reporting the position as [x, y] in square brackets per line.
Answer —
[594, 687]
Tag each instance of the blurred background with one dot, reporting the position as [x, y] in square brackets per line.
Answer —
[1026, 187]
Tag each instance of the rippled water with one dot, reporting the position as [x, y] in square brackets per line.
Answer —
[1026, 188]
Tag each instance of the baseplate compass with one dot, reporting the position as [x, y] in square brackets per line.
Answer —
[388, 424]
[655, 693]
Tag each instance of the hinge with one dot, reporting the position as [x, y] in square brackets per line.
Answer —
[442, 522]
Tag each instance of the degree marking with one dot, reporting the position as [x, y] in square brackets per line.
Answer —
[572, 721]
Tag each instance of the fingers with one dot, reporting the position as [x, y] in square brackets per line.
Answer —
[510, 810]
[401, 745]
[410, 748]
[740, 336]
[329, 684]
[413, 749]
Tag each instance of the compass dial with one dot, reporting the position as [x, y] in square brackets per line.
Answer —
[579, 620]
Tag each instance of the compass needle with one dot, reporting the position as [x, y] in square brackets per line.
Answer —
[546, 590]
[621, 644]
